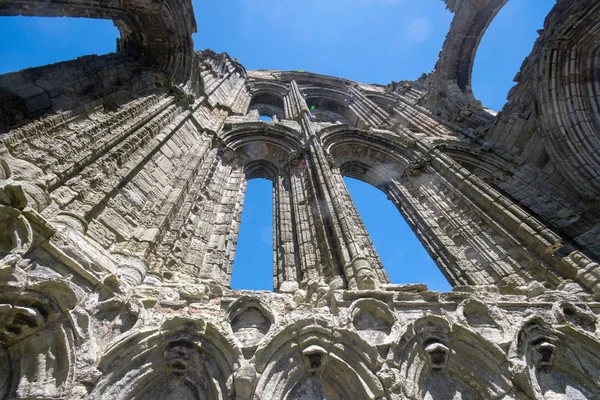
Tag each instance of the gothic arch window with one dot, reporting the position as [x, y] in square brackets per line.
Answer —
[403, 256]
[327, 110]
[253, 264]
[266, 152]
[501, 52]
[443, 218]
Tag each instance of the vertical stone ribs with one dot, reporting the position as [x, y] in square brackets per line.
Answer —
[295, 106]
[568, 93]
[122, 182]
[163, 183]
[547, 131]
[365, 109]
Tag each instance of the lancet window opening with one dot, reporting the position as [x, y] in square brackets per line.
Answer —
[328, 110]
[254, 263]
[404, 258]
[257, 170]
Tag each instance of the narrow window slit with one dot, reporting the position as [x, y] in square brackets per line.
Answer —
[253, 264]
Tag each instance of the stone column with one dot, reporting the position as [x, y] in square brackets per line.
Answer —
[358, 270]
[294, 104]
[366, 110]
[224, 227]
[362, 236]
[285, 243]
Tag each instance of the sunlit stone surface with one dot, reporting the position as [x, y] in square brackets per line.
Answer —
[122, 182]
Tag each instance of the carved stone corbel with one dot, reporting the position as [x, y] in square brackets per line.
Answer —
[16, 234]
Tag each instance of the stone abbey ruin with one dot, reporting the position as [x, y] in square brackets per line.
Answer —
[122, 183]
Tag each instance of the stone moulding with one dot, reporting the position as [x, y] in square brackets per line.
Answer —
[122, 182]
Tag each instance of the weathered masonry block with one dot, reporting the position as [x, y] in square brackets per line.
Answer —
[122, 180]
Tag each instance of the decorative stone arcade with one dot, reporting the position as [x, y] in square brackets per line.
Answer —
[122, 183]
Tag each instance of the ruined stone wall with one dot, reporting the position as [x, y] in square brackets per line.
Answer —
[123, 179]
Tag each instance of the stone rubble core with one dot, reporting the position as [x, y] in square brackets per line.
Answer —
[122, 182]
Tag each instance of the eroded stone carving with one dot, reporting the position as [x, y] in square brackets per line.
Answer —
[122, 181]
[374, 321]
[250, 321]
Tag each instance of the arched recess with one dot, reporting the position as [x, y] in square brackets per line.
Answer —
[501, 52]
[460, 236]
[182, 357]
[437, 360]
[348, 106]
[308, 359]
[251, 321]
[350, 102]
[267, 98]
[560, 362]
[330, 105]
[326, 110]
[267, 104]
[37, 341]
[160, 33]
[449, 86]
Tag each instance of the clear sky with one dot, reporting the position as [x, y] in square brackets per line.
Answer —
[371, 41]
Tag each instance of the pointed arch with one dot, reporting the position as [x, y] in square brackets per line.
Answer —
[268, 152]
[328, 104]
[449, 86]
[435, 357]
[312, 356]
[451, 217]
[253, 141]
[185, 351]
[37, 340]
[561, 361]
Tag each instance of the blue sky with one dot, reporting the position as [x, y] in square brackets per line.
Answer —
[371, 41]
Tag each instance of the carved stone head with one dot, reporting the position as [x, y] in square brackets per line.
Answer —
[315, 358]
[366, 279]
[437, 353]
